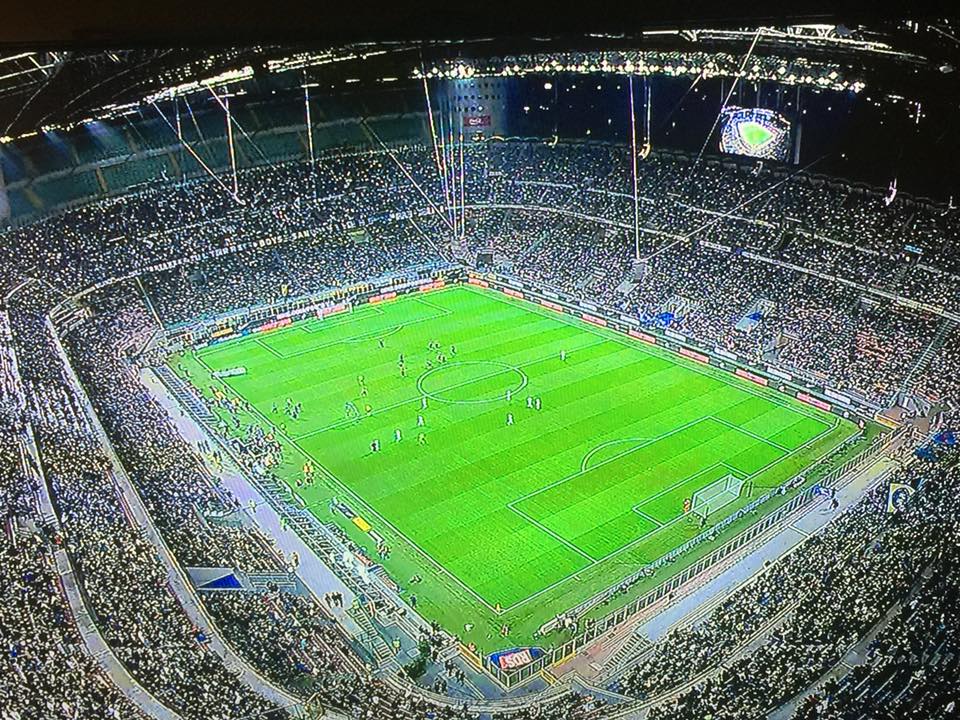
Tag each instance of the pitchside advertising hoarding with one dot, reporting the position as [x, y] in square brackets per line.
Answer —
[515, 658]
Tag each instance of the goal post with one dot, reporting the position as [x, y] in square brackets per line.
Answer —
[716, 495]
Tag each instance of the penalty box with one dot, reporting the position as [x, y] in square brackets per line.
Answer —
[626, 497]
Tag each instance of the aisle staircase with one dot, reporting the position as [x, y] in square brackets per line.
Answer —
[595, 276]
[371, 639]
[919, 367]
[628, 654]
[185, 397]
[626, 287]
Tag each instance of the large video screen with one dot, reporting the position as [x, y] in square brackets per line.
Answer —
[755, 132]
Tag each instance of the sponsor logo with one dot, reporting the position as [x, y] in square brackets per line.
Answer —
[816, 402]
[694, 355]
[593, 319]
[649, 339]
[752, 377]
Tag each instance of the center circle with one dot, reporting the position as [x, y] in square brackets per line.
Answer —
[471, 381]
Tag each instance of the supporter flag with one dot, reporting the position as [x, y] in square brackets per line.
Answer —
[898, 497]
[284, 289]
[945, 437]
[926, 453]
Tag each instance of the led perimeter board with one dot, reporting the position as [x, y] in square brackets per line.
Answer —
[755, 132]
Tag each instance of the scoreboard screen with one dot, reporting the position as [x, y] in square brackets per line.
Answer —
[755, 132]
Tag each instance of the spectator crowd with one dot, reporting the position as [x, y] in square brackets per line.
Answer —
[819, 255]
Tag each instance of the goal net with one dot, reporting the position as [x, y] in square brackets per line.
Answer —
[716, 495]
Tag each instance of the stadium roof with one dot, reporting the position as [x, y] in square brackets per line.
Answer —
[77, 76]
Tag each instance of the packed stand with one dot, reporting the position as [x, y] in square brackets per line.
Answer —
[912, 667]
[812, 606]
[121, 577]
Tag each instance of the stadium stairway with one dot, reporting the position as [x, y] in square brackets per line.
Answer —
[185, 397]
[629, 653]
[371, 640]
[594, 277]
[530, 249]
[178, 582]
[93, 641]
[943, 332]
[626, 287]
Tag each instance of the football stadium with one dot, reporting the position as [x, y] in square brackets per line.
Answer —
[501, 373]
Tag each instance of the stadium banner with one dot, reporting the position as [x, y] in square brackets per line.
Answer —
[839, 397]
[885, 421]
[383, 297]
[588, 306]
[362, 524]
[716, 246]
[811, 400]
[221, 333]
[649, 339]
[779, 373]
[478, 282]
[513, 293]
[298, 313]
[332, 310]
[436, 285]
[752, 377]
[694, 355]
[515, 658]
[685, 347]
[898, 497]
[273, 325]
[229, 372]
[475, 121]
[547, 293]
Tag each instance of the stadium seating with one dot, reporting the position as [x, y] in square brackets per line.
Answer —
[556, 215]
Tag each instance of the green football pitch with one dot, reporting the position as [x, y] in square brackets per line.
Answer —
[508, 522]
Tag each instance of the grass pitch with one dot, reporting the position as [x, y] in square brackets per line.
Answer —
[510, 523]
